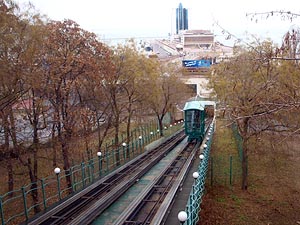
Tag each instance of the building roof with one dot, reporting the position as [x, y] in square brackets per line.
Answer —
[196, 32]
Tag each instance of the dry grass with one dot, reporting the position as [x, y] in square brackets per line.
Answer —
[273, 195]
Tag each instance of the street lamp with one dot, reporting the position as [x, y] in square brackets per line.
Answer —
[99, 154]
[195, 175]
[182, 217]
[57, 172]
[140, 143]
[124, 147]
[201, 156]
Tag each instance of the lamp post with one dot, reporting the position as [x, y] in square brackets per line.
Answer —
[195, 175]
[57, 172]
[124, 149]
[140, 143]
[99, 154]
[182, 217]
[201, 156]
[194, 195]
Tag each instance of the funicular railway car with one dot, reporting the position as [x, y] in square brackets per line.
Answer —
[196, 113]
[194, 119]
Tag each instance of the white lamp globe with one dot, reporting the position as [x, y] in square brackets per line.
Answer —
[195, 175]
[57, 170]
[182, 216]
[201, 156]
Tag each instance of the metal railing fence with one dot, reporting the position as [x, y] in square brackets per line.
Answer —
[18, 206]
[218, 170]
[197, 192]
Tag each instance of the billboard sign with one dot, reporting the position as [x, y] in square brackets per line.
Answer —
[196, 63]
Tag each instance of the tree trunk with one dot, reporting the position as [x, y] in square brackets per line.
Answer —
[128, 133]
[244, 133]
[34, 174]
[12, 130]
[63, 139]
[98, 133]
[100, 139]
[160, 124]
[117, 143]
[128, 129]
[10, 177]
[53, 145]
[86, 142]
[7, 152]
[65, 153]
[245, 168]
[33, 179]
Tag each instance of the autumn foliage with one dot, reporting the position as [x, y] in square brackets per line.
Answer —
[63, 92]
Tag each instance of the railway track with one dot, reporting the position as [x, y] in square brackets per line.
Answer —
[83, 207]
[151, 205]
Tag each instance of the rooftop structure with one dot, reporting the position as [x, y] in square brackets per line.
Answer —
[203, 39]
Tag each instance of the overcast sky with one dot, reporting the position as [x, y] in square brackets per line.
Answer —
[139, 18]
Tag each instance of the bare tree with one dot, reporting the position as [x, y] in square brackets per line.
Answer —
[163, 89]
[69, 58]
[251, 87]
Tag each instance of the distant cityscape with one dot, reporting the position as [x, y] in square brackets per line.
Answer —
[181, 22]
[194, 50]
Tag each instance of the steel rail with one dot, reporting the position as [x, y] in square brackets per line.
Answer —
[165, 206]
[160, 192]
[87, 216]
[142, 195]
[158, 215]
[98, 196]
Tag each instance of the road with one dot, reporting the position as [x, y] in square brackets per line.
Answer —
[161, 50]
